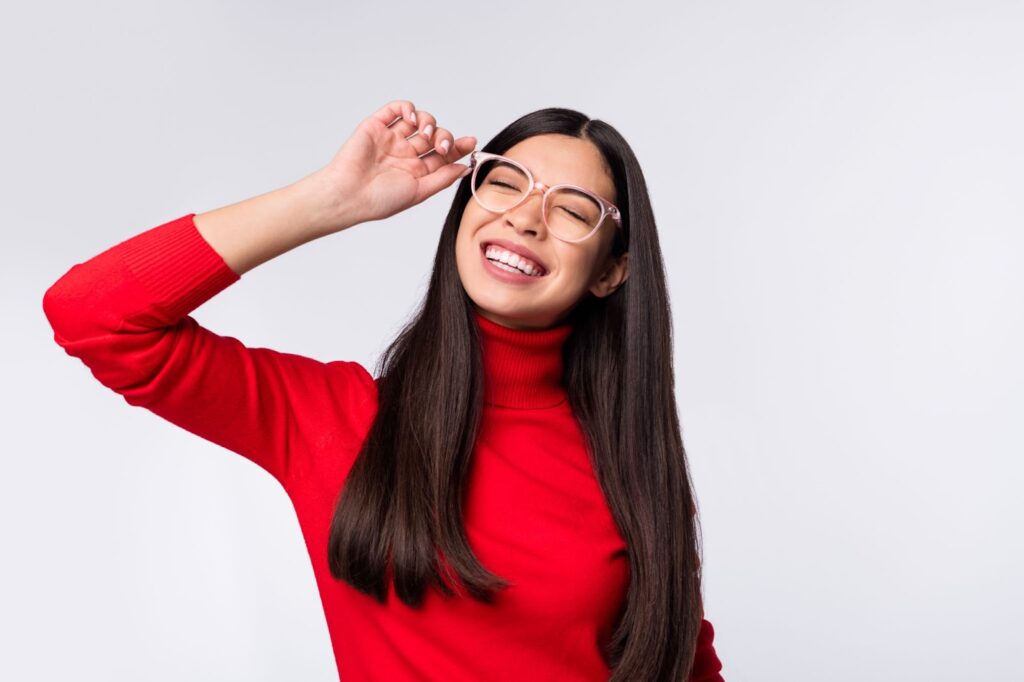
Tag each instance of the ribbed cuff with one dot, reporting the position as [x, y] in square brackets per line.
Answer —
[178, 266]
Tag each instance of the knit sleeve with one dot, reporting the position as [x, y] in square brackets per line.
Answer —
[706, 665]
[124, 314]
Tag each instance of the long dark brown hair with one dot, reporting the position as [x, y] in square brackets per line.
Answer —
[399, 514]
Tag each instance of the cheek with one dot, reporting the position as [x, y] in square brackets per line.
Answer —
[464, 240]
[462, 254]
[581, 263]
[467, 251]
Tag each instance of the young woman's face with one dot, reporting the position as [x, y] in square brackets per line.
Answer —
[573, 269]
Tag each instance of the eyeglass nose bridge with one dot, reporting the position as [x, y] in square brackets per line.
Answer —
[537, 187]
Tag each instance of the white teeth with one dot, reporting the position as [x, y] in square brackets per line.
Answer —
[513, 260]
[508, 267]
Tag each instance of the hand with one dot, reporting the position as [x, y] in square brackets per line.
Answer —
[378, 173]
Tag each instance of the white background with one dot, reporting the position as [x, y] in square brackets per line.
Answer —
[838, 188]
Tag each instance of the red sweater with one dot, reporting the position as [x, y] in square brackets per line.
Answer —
[534, 511]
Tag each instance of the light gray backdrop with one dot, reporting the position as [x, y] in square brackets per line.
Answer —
[838, 191]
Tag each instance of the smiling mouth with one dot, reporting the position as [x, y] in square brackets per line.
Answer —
[509, 268]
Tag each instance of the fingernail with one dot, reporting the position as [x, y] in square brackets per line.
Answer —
[429, 129]
[466, 172]
[444, 145]
[412, 116]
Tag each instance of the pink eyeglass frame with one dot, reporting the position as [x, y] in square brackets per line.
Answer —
[607, 207]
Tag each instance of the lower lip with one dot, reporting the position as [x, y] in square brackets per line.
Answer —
[505, 275]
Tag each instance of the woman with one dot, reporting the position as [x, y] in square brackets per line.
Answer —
[509, 499]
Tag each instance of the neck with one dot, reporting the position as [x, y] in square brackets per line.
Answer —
[523, 368]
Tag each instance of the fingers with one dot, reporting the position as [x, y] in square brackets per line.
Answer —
[439, 141]
[457, 149]
[396, 111]
[422, 138]
[438, 179]
[437, 147]
[442, 173]
[443, 142]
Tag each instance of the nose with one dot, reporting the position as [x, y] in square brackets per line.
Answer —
[538, 188]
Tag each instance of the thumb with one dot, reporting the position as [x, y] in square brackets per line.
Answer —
[432, 183]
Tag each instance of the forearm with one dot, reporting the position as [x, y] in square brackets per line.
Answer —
[251, 232]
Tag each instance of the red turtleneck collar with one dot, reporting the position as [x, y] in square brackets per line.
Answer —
[522, 368]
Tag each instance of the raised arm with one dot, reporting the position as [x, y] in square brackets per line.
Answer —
[125, 312]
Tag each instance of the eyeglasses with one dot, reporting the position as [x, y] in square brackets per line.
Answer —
[571, 213]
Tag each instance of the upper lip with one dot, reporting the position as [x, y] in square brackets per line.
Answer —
[515, 248]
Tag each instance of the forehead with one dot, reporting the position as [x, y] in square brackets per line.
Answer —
[558, 159]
